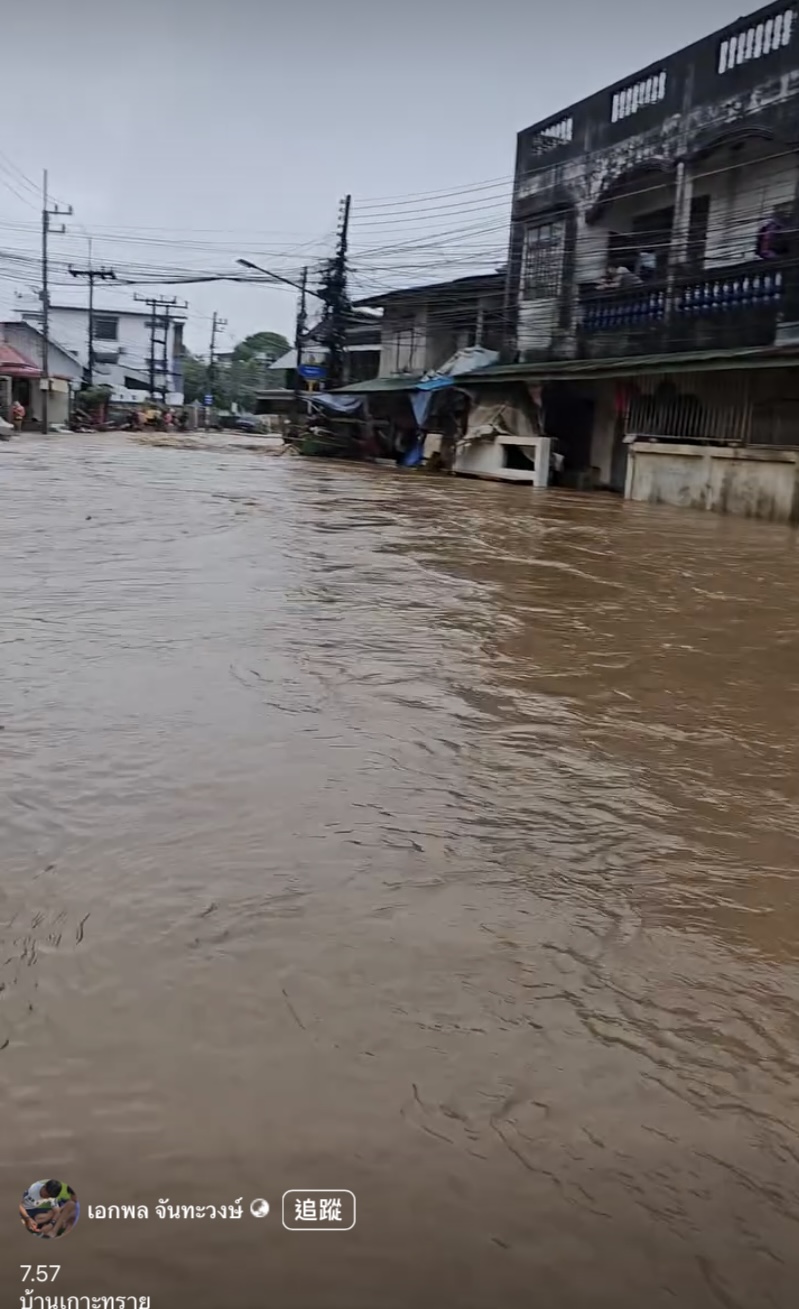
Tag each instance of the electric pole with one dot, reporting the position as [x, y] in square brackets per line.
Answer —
[299, 340]
[217, 324]
[165, 369]
[92, 275]
[48, 211]
[160, 325]
[337, 305]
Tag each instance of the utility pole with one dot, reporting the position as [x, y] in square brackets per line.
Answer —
[92, 275]
[217, 324]
[337, 305]
[299, 341]
[48, 211]
[160, 323]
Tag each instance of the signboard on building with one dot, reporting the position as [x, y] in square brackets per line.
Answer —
[312, 372]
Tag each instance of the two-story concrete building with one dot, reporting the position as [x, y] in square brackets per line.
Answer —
[121, 347]
[653, 280]
[424, 326]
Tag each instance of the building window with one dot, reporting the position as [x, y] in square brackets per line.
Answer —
[404, 343]
[106, 327]
[542, 261]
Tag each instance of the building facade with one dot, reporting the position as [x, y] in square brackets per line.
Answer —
[672, 174]
[424, 326]
[121, 348]
[22, 356]
[653, 283]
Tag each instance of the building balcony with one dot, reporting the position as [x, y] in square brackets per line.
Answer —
[628, 309]
[719, 308]
[727, 307]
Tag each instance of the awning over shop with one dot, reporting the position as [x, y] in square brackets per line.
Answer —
[595, 369]
[335, 402]
[397, 382]
[14, 364]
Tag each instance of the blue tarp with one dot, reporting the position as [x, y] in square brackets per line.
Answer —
[420, 404]
[336, 402]
[413, 457]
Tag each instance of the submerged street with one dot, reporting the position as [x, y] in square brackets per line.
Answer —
[430, 838]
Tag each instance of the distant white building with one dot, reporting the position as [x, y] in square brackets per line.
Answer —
[121, 343]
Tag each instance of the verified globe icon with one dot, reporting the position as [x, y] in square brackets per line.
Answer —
[259, 1208]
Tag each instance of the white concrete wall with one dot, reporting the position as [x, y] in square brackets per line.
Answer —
[403, 341]
[604, 430]
[591, 253]
[537, 322]
[486, 458]
[58, 408]
[752, 483]
[69, 326]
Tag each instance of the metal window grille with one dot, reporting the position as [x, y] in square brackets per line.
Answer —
[542, 264]
[105, 327]
[714, 407]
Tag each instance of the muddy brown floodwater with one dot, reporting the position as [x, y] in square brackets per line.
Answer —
[432, 839]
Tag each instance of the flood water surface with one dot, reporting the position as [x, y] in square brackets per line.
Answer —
[431, 839]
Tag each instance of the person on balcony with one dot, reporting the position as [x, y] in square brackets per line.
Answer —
[617, 278]
[772, 240]
[647, 265]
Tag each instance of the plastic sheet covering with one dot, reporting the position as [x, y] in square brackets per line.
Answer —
[335, 403]
[465, 361]
[420, 404]
[469, 360]
[498, 418]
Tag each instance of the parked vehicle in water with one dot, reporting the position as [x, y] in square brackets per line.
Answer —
[240, 423]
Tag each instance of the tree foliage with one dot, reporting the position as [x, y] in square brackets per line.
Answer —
[240, 380]
[195, 372]
[271, 345]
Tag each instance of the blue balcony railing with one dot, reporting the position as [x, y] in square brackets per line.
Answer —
[625, 309]
[728, 290]
[720, 307]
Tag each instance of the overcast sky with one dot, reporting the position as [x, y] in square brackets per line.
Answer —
[185, 133]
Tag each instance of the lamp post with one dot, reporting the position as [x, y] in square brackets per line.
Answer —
[300, 333]
[276, 277]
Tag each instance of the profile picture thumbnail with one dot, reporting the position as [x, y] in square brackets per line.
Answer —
[49, 1209]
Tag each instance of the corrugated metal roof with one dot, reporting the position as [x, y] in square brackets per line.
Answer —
[590, 369]
[477, 284]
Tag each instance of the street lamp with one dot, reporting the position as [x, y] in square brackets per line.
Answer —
[276, 277]
[300, 335]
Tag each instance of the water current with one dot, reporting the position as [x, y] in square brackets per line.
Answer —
[427, 838]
